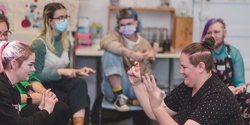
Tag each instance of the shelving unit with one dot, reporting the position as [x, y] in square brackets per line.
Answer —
[167, 9]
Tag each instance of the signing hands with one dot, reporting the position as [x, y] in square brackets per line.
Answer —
[85, 71]
[71, 73]
[239, 89]
[48, 101]
[156, 95]
[134, 74]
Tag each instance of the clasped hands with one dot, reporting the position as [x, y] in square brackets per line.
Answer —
[48, 101]
[143, 56]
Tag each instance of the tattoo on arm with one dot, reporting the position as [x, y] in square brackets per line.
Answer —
[121, 50]
[124, 51]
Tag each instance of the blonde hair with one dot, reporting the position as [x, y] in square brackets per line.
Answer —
[48, 13]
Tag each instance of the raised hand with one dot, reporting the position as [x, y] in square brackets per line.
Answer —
[134, 74]
[49, 100]
[155, 95]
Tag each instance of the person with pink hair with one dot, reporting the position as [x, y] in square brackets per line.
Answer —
[31, 90]
[16, 64]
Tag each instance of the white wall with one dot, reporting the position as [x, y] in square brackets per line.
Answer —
[21, 37]
[233, 11]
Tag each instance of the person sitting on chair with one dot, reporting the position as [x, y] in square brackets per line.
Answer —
[52, 63]
[122, 47]
[32, 89]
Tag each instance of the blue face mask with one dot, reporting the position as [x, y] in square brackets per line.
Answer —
[61, 26]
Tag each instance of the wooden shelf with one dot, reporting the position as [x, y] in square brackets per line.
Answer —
[170, 9]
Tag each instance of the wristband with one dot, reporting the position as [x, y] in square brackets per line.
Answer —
[29, 99]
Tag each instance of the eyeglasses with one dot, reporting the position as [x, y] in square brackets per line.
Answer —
[62, 18]
[5, 34]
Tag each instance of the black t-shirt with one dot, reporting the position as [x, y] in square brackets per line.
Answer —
[213, 104]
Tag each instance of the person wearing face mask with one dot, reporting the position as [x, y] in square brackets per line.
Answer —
[52, 62]
[229, 64]
[122, 47]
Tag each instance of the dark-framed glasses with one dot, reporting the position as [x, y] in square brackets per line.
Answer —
[62, 18]
[5, 33]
